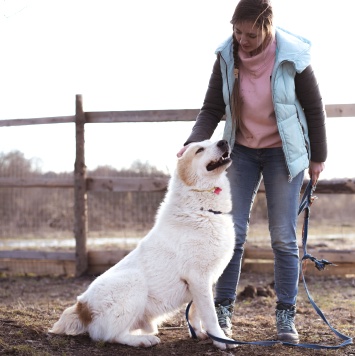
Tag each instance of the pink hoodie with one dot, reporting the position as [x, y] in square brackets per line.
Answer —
[258, 129]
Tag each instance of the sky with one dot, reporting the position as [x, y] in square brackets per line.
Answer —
[141, 55]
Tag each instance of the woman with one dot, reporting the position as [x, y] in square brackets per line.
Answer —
[263, 82]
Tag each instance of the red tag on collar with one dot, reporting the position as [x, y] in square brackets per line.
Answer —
[217, 190]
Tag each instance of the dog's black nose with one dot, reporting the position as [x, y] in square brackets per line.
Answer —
[222, 144]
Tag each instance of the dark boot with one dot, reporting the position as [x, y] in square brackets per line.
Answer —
[224, 311]
[285, 323]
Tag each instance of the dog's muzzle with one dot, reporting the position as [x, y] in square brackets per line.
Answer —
[225, 156]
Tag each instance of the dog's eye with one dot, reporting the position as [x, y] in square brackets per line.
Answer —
[200, 150]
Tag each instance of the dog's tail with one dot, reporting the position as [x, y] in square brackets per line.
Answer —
[74, 320]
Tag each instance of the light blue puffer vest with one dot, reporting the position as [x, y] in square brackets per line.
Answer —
[292, 55]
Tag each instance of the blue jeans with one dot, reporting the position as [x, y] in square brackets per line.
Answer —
[245, 174]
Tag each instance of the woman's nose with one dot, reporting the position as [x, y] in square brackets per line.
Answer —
[242, 40]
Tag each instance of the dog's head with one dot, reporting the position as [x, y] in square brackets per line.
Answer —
[203, 160]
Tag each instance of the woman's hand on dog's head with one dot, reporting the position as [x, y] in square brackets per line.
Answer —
[181, 152]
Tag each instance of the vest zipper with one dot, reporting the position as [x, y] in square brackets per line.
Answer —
[272, 83]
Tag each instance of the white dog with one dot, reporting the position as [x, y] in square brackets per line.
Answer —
[178, 261]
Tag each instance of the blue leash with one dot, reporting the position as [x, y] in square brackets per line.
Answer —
[305, 204]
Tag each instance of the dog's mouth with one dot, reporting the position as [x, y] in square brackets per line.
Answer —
[223, 160]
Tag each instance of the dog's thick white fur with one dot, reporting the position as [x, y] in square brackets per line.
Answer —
[178, 261]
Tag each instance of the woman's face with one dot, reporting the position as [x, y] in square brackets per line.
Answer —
[249, 36]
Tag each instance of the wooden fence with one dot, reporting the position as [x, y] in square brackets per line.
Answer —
[94, 262]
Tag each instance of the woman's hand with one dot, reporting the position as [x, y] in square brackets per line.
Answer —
[181, 152]
[314, 170]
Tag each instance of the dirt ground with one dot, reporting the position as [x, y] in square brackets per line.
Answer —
[30, 305]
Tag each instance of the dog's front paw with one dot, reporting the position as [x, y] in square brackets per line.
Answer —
[220, 345]
[231, 346]
[201, 334]
[148, 340]
[223, 346]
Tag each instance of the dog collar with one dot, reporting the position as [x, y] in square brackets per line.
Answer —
[215, 190]
[211, 211]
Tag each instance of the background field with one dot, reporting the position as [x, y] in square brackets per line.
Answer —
[40, 215]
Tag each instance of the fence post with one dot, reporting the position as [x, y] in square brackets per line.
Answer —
[80, 193]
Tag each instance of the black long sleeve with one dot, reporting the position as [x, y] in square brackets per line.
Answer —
[212, 110]
[307, 91]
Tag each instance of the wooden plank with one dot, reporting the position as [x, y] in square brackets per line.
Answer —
[332, 110]
[43, 263]
[267, 266]
[37, 121]
[335, 186]
[332, 186]
[40, 182]
[63, 263]
[142, 116]
[96, 270]
[340, 269]
[119, 184]
[101, 261]
[258, 253]
[37, 267]
[106, 257]
[334, 256]
[126, 184]
[261, 266]
[340, 110]
[80, 192]
[38, 255]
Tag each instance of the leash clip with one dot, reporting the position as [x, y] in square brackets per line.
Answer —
[319, 264]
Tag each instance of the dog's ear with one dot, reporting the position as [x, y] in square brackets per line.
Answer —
[184, 164]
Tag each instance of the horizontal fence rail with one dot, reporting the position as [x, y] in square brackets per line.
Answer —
[148, 184]
[332, 110]
[36, 182]
[38, 121]
[255, 259]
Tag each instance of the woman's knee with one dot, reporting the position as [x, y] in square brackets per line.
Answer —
[284, 240]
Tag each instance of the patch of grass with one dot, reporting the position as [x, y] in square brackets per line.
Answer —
[59, 342]
[3, 343]
[100, 344]
[24, 349]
